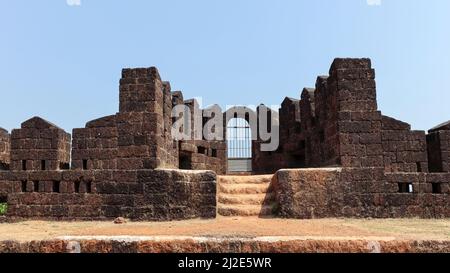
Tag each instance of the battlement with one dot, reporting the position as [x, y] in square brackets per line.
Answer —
[39, 145]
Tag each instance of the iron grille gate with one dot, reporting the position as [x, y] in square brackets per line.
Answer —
[239, 139]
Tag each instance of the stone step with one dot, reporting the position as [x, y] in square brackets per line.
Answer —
[244, 188]
[245, 210]
[246, 199]
[254, 179]
[239, 173]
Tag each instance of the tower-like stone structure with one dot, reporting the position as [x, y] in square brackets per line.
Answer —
[140, 121]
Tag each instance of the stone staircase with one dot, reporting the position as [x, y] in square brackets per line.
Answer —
[245, 196]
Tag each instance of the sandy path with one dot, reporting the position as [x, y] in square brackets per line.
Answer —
[233, 227]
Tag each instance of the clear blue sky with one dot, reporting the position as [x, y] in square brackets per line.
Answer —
[63, 62]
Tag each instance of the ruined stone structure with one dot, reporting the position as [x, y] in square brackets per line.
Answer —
[339, 156]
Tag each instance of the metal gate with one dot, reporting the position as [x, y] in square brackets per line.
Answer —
[239, 139]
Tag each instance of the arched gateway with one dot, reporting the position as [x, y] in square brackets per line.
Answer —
[239, 129]
[239, 140]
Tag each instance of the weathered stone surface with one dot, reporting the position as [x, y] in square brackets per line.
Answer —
[308, 193]
[347, 192]
[165, 244]
[39, 145]
[107, 194]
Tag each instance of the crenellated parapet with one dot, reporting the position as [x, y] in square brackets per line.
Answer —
[39, 145]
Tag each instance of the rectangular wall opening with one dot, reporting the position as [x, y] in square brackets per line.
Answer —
[88, 187]
[405, 188]
[185, 162]
[419, 167]
[77, 186]
[43, 165]
[85, 164]
[322, 136]
[214, 153]
[302, 144]
[3, 199]
[36, 186]
[24, 186]
[437, 189]
[64, 166]
[296, 161]
[202, 150]
[56, 185]
[24, 165]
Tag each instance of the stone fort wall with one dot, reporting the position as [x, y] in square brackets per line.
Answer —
[361, 192]
[129, 165]
[337, 123]
[385, 169]
[152, 195]
[126, 164]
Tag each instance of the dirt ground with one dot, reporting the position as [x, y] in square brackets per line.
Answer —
[417, 229]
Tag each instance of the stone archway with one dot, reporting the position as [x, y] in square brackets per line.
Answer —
[240, 131]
